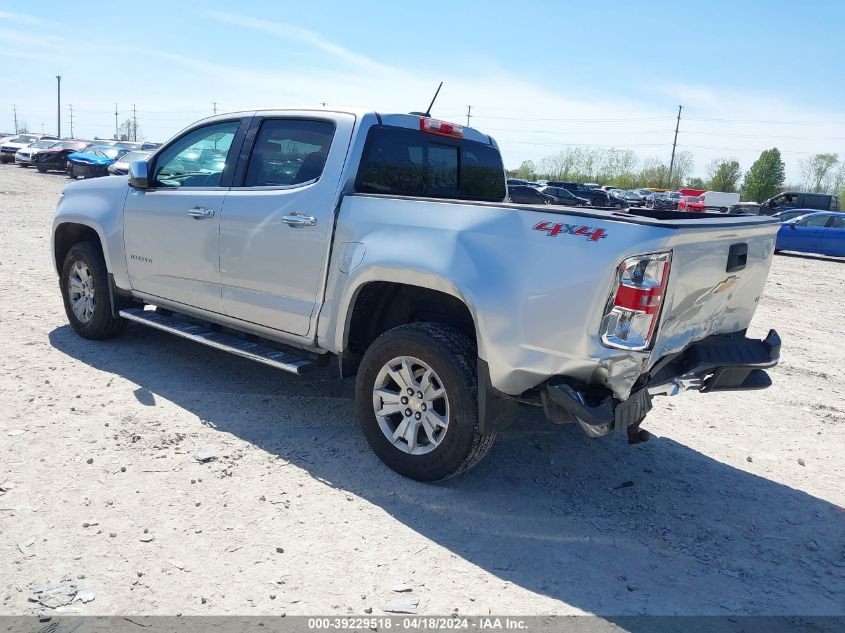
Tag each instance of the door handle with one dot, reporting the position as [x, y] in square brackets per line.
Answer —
[200, 213]
[299, 219]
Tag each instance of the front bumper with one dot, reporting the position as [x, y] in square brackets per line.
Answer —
[24, 160]
[82, 170]
[717, 363]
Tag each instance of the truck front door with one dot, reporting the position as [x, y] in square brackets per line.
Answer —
[172, 228]
[278, 219]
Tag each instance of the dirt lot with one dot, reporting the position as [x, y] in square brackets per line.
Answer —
[735, 507]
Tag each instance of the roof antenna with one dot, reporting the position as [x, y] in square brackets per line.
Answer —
[430, 105]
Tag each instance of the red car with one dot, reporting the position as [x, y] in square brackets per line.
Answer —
[692, 204]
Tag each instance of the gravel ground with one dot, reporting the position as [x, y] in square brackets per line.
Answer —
[735, 506]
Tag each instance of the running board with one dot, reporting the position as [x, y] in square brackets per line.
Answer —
[295, 361]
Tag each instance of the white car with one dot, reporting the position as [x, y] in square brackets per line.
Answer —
[11, 147]
[25, 157]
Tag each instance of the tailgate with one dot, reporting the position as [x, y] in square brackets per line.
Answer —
[715, 283]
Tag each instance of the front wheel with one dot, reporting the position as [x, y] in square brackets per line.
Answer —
[41, 169]
[417, 400]
[85, 292]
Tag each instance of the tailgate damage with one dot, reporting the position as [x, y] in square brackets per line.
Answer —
[718, 363]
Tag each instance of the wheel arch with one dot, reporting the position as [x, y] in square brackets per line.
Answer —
[394, 303]
[66, 234]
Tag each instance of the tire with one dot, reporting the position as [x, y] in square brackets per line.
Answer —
[96, 321]
[23, 165]
[452, 358]
[41, 169]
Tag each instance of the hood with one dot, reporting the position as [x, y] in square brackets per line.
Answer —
[30, 151]
[91, 185]
[16, 146]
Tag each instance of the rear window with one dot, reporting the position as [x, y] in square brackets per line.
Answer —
[406, 162]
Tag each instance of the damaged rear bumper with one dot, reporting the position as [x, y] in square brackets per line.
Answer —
[717, 363]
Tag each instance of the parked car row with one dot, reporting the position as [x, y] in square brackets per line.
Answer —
[78, 158]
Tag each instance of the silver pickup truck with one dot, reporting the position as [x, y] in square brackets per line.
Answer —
[382, 240]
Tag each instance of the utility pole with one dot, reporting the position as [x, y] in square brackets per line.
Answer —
[42, 127]
[469, 109]
[59, 106]
[134, 124]
[15, 111]
[674, 145]
[214, 103]
[70, 107]
[116, 135]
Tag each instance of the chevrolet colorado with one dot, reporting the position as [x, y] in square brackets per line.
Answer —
[383, 240]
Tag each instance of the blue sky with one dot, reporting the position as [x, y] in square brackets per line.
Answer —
[540, 76]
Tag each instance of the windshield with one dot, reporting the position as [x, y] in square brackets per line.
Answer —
[693, 199]
[106, 150]
[42, 144]
[133, 156]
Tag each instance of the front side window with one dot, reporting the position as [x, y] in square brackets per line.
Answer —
[289, 152]
[198, 158]
[407, 162]
[814, 220]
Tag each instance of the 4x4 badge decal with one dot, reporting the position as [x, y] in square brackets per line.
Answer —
[553, 229]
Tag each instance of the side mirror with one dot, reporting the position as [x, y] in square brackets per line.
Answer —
[138, 174]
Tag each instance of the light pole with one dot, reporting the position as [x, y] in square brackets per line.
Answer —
[59, 106]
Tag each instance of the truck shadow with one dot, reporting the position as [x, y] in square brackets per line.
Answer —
[610, 529]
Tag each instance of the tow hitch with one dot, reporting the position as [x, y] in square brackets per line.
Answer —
[717, 363]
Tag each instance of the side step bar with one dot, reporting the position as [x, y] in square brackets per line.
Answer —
[294, 361]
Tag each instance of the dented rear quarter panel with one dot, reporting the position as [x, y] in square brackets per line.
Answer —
[537, 297]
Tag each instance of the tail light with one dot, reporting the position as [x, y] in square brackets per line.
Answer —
[433, 126]
[633, 307]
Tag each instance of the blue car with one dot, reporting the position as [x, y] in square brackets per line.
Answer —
[93, 161]
[822, 232]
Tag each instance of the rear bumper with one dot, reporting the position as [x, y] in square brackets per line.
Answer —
[717, 363]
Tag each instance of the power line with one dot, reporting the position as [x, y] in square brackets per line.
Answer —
[765, 121]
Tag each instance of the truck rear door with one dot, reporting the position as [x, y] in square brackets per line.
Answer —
[277, 220]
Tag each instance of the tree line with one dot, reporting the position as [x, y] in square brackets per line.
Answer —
[821, 173]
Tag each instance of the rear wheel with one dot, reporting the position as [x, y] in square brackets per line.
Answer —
[417, 401]
[85, 292]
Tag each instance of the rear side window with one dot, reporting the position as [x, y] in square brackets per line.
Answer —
[406, 162]
[289, 152]
[814, 201]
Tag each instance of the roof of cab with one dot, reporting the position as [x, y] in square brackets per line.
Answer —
[409, 121]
